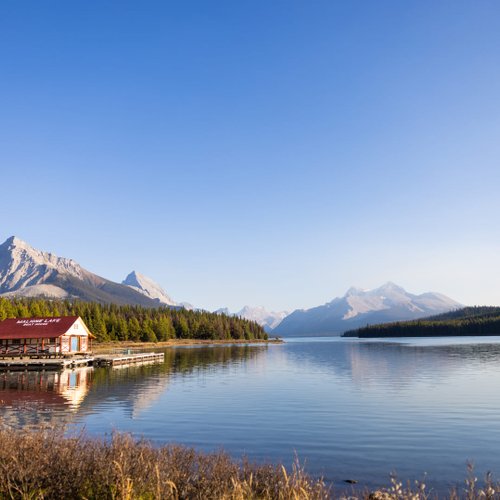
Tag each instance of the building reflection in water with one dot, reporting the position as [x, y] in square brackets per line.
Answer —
[34, 397]
[67, 388]
[66, 397]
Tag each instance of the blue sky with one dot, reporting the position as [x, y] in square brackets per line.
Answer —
[264, 152]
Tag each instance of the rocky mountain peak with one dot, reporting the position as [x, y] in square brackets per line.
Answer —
[13, 241]
[28, 272]
[354, 290]
[390, 287]
[265, 318]
[21, 265]
[358, 307]
[148, 287]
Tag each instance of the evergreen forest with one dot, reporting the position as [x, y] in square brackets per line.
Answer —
[136, 323]
[468, 321]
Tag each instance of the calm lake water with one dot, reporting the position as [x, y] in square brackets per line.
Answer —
[352, 409]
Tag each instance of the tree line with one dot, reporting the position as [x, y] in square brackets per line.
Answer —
[137, 323]
[468, 321]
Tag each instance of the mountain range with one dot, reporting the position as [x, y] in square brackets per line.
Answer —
[358, 307]
[28, 272]
[268, 319]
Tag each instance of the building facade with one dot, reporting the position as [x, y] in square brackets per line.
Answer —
[60, 336]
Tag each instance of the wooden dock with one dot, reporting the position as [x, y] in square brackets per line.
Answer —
[40, 364]
[112, 360]
[128, 359]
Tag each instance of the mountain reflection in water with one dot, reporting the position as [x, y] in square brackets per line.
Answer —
[36, 397]
[350, 408]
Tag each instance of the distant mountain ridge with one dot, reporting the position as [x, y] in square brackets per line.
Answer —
[28, 272]
[267, 319]
[359, 307]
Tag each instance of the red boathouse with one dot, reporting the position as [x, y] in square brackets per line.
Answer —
[61, 336]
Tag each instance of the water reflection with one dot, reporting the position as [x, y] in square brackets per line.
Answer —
[29, 397]
[401, 364]
[395, 363]
[136, 388]
[34, 397]
[352, 409]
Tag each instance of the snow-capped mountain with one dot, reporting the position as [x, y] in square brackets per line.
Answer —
[28, 272]
[265, 318]
[148, 287]
[23, 267]
[224, 310]
[268, 319]
[391, 295]
[358, 307]
[188, 306]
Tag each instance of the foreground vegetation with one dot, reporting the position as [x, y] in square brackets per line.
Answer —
[38, 465]
[44, 464]
[468, 321]
[136, 323]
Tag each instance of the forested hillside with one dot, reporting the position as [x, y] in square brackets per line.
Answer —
[468, 321]
[137, 323]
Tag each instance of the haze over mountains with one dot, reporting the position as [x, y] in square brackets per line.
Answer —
[268, 319]
[28, 272]
[358, 307]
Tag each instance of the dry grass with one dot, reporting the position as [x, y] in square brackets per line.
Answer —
[490, 490]
[44, 464]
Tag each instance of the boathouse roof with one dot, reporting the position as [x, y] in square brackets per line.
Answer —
[37, 328]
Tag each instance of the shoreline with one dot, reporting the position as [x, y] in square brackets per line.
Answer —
[124, 344]
[47, 463]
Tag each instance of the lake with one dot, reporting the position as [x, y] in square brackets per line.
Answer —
[348, 408]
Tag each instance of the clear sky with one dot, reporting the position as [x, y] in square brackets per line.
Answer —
[257, 152]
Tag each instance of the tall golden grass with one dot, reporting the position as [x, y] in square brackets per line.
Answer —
[46, 464]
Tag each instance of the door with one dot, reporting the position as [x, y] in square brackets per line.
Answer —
[75, 344]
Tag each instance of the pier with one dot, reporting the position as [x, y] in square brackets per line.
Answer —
[23, 364]
[112, 360]
[128, 359]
